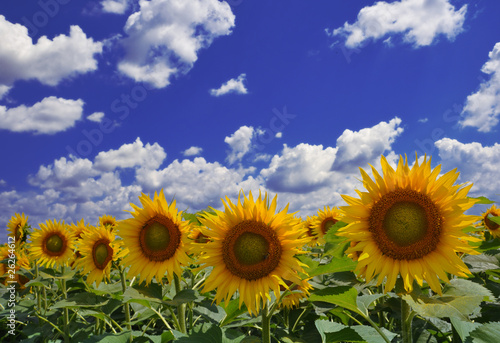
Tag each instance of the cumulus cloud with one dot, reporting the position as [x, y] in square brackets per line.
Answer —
[482, 108]
[48, 61]
[240, 143]
[131, 155]
[476, 163]
[420, 22]
[115, 6]
[192, 151]
[366, 145]
[96, 117]
[164, 37]
[236, 86]
[48, 116]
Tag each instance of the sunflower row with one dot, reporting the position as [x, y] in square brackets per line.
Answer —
[408, 223]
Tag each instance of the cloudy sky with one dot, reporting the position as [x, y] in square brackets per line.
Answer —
[103, 100]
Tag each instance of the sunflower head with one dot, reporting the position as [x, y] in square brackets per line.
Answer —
[492, 227]
[17, 225]
[251, 249]
[296, 293]
[157, 239]
[52, 244]
[324, 220]
[21, 261]
[107, 221]
[409, 222]
[98, 249]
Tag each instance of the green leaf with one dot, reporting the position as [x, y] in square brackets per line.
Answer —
[122, 337]
[481, 263]
[486, 333]
[191, 217]
[463, 328]
[483, 201]
[334, 266]
[53, 274]
[326, 326]
[334, 332]
[364, 301]
[184, 296]
[232, 311]
[494, 219]
[342, 296]
[460, 299]
[81, 300]
[371, 335]
[209, 333]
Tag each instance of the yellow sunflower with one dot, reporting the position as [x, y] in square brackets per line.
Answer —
[251, 249]
[15, 259]
[325, 219]
[409, 223]
[52, 244]
[156, 237]
[16, 226]
[77, 230]
[309, 232]
[98, 249]
[299, 291]
[107, 221]
[493, 227]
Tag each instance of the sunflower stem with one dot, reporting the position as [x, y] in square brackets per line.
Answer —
[266, 324]
[406, 321]
[37, 293]
[65, 310]
[181, 309]
[126, 306]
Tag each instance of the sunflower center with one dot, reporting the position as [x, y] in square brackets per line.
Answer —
[491, 224]
[327, 224]
[251, 250]
[405, 224]
[54, 244]
[102, 253]
[159, 238]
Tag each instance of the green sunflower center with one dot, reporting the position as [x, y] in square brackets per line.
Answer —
[102, 253]
[159, 238]
[54, 244]
[251, 250]
[327, 224]
[405, 224]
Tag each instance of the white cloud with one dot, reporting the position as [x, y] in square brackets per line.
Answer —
[4, 90]
[240, 143]
[302, 169]
[96, 116]
[482, 108]
[192, 151]
[420, 22]
[476, 163]
[278, 135]
[115, 6]
[131, 155]
[48, 116]
[236, 86]
[423, 120]
[366, 145]
[48, 61]
[164, 37]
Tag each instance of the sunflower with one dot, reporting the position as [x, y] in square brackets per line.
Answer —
[107, 221]
[14, 260]
[493, 227]
[309, 232]
[409, 223]
[16, 226]
[79, 228]
[52, 244]
[298, 292]
[157, 238]
[252, 249]
[325, 219]
[98, 249]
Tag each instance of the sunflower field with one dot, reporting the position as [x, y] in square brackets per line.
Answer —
[401, 262]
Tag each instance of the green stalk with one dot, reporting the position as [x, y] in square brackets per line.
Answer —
[126, 306]
[406, 321]
[181, 309]
[65, 310]
[37, 292]
[266, 324]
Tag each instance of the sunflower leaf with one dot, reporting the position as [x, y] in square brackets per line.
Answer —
[494, 219]
[233, 310]
[463, 328]
[334, 332]
[342, 296]
[336, 265]
[364, 301]
[483, 200]
[486, 333]
[481, 263]
[460, 299]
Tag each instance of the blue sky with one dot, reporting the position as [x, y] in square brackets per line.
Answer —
[104, 100]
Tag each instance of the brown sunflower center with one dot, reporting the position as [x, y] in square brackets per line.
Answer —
[490, 224]
[54, 244]
[159, 238]
[327, 224]
[406, 224]
[102, 253]
[251, 250]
